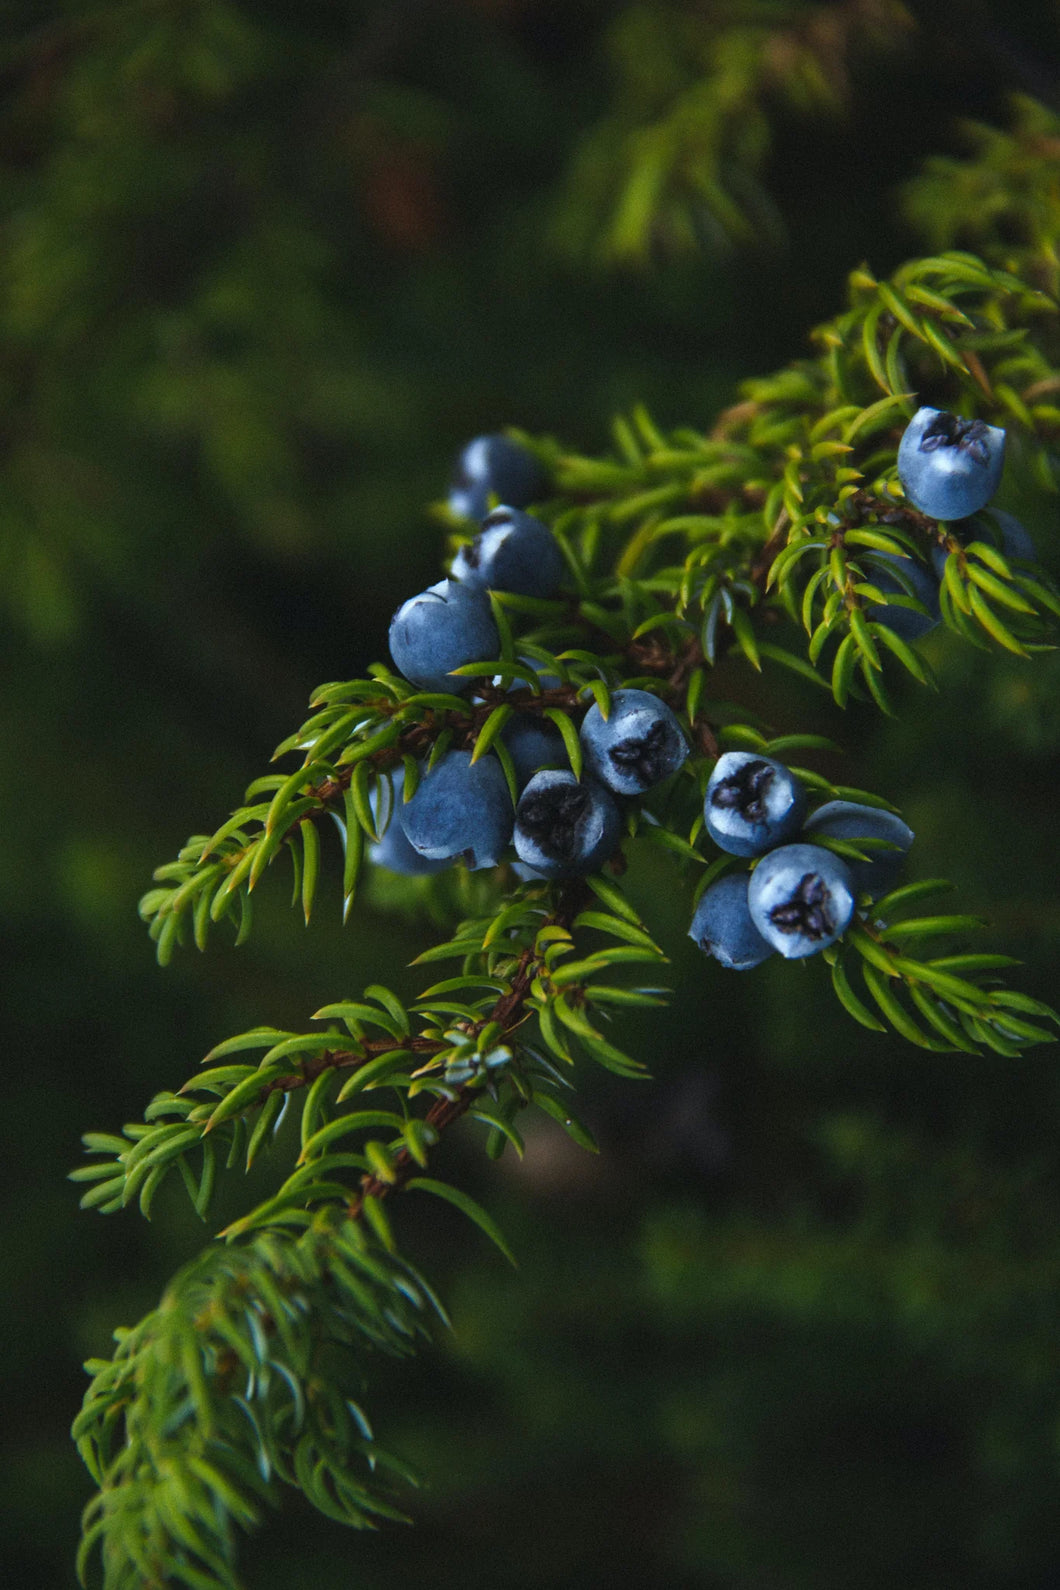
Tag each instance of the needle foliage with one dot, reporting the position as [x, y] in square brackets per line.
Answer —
[236, 308]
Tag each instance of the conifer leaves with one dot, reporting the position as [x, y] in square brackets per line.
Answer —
[949, 318]
[830, 575]
[680, 548]
[943, 1002]
[986, 595]
[463, 1045]
[807, 460]
[243, 1379]
[370, 729]
[223, 1391]
[1005, 198]
[676, 165]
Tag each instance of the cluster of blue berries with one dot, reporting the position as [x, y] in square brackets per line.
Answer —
[950, 469]
[800, 896]
[566, 826]
[562, 826]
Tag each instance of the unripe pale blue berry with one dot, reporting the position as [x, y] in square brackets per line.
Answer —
[909, 579]
[444, 627]
[393, 849]
[1015, 538]
[512, 552]
[462, 810]
[722, 925]
[853, 820]
[997, 529]
[533, 743]
[494, 466]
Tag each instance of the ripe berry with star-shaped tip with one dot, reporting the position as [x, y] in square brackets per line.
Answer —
[512, 552]
[752, 803]
[950, 467]
[637, 745]
[801, 898]
[565, 828]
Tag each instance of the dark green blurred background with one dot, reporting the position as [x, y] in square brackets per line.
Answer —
[263, 268]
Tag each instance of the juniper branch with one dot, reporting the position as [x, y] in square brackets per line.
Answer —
[507, 1015]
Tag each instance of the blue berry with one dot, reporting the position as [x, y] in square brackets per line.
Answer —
[444, 627]
[533, 743]
[950, 467]
[638, 745]
[494, 466]
[722, 925]
[801, 898]
[460, 811]
[910, 579]
[564, 828]
[512, 552]
[852, 820]
[393, 849]
[752, 803]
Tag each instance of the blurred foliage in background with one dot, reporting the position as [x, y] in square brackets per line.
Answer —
[263, 268]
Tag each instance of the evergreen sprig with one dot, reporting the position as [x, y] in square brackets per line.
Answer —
[469, 1054]
[247, 1374]
[957, 995]
[681, 549]
[676, 163]
[784, 507]
[1002, 200]
[181, 1455]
